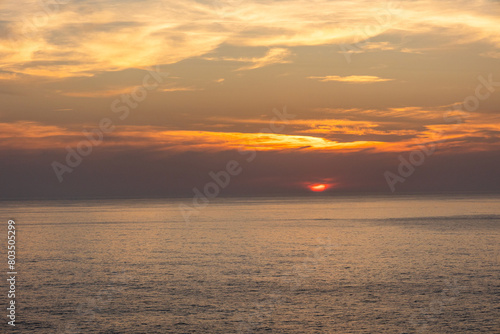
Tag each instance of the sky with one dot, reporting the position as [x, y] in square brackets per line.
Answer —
[147, 98]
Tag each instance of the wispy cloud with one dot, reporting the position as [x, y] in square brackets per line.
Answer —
[491, 54]
[351, 78]
[81, 39]
[98, 93]
[180, 89]
[273, 56]
[103, 93]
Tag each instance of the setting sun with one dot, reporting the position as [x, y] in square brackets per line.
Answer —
[318, 187]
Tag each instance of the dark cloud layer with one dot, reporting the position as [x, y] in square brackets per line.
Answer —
[138, 173]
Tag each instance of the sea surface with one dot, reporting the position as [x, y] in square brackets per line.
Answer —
[401, 264]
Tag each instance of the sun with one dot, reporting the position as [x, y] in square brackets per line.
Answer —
[317, 187]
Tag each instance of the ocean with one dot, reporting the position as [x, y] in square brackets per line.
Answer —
[358, 264]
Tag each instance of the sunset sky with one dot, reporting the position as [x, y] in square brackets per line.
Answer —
[297, 92]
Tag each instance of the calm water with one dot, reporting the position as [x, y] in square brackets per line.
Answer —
[294, 265]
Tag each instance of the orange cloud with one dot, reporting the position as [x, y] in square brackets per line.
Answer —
[273, 56]
[351, 78]
[70, 44]
[477, 133]
[30, 135]
[99, 93]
